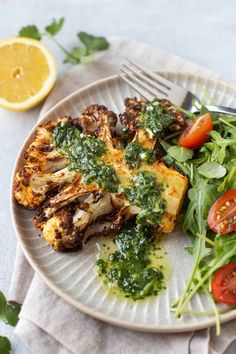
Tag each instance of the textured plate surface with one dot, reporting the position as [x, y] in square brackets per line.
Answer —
[73, 277]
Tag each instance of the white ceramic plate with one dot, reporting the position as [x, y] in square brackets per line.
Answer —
[72, 275]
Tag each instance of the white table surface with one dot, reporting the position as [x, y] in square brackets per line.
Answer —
[202, 31]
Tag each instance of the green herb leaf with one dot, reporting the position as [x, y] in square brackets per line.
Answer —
[164, 144]
[212, 169]
[229, 181]
[203, 110]
[85, 59]
[201, 197]
[55, 26]
[8, 312]
[225, 252]
[30, 31]
[78, 55]
[93, 43]
[5, 345]
[180, 154]
[3, 303]
[11, 314]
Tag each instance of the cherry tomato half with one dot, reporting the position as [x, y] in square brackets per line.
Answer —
[196, 133]
[222, 214]
[223, 284]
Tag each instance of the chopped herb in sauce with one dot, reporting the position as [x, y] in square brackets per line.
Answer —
[145, 193]
[135, 154]
[84, 152]
[154, 118]
[129, 266]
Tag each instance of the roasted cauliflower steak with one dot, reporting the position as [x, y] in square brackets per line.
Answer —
[70, 210]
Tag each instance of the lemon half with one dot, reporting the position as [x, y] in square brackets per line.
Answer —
[27, 73]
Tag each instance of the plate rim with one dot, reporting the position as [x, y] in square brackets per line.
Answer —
[62, 294]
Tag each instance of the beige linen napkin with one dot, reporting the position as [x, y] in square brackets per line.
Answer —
[49, 325]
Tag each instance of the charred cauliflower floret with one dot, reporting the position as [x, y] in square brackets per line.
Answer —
[131, 118]
[60, 233]
[31, 185]
[42, 153]
[67, 195]
[143, 121]
[45, 168]
[97, 120]
[66, 229]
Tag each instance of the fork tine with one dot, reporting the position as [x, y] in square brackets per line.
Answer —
[145, 79]
[158, 78]
[137, 88]
[155, 92]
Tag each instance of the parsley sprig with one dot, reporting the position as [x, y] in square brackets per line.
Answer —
[9, 314]
[5, 345]
[76, 55]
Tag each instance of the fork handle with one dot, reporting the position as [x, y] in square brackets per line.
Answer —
[220, 109]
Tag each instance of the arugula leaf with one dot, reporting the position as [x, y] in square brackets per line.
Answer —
[212, 152]
[212, 169]
[201, 197]
[229, 181]
[207, 175]
[30, 31]
[200, 252]
[5, 345]
[55, 26]
[164, 144]
[8, 312]
[180, 154]
[78, 55]
[225, 252]
[224, 142]
[203, 110]
[93, 43]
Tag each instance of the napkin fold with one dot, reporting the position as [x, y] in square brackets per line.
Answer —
[50, 325]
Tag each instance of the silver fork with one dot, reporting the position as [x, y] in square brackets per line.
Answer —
[150, 85]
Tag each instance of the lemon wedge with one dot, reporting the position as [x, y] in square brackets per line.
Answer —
[27, 73]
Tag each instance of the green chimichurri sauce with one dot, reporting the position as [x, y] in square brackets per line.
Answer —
[157, 259]
[135, 154]
[154, 119]
[129, 267]
[84, 152]
[145, 193]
